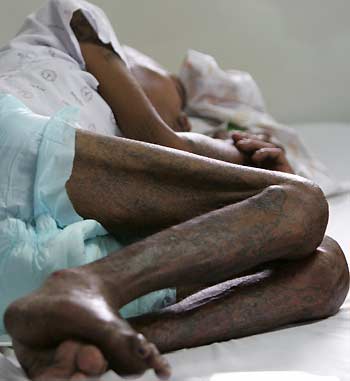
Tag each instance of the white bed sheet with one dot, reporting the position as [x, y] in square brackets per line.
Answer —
[320, 348]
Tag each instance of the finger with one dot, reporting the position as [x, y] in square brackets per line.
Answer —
[237, 135]
[252, 145]
[265, 136]
[91, 361]
[280, 146]
[271, 154]
[223, 135]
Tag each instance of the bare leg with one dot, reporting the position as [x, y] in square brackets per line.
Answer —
[262, 222]
[131, 186]
[253, 217]
[285, 292]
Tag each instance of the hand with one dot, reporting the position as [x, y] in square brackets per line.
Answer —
[261, 152]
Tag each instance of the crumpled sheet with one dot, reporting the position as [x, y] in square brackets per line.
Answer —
[11, 372]
[216, 98]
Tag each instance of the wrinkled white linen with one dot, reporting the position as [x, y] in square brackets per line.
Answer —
[39, 230]
[233, 96]
[44, 68]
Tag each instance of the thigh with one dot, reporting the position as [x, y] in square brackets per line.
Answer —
[136, 187]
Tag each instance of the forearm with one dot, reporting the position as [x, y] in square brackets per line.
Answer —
[137, 118]
[213, 148]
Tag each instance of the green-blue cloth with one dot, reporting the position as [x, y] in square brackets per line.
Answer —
[40, 232]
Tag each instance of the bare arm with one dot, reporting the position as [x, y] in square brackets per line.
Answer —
[137, 118]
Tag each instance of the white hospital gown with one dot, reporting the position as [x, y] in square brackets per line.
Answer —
[43, 65]
[41, 72]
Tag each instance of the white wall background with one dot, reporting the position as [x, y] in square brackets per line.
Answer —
[298, 51]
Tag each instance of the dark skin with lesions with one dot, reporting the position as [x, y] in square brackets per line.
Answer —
[208, 221]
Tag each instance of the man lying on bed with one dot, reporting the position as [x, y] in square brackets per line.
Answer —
[205, 222]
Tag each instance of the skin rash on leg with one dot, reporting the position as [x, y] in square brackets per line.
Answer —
[225, 220]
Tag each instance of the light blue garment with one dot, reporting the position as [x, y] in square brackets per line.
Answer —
[40, 232]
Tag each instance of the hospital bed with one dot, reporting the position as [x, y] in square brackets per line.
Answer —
[320, 348]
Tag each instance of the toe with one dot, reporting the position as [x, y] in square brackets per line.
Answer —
[164, 369]
[156, 361]
[141, 346]
[127, 352]
[91, 361]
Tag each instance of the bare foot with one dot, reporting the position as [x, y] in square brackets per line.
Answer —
[71, 311]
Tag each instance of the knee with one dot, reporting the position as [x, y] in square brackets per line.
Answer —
[309, 215]
[331, 276]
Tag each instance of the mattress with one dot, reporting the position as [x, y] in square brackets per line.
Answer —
[320, 348]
